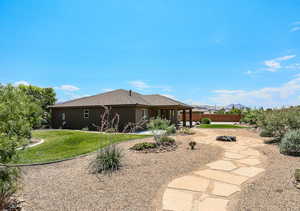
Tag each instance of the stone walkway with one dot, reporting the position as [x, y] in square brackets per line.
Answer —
[212, 187]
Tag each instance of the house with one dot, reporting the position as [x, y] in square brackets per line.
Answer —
[131, 106]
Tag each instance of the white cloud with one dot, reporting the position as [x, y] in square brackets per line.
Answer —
[275, 64]
[107, 90]
[17, 83]
[69, 88]
[296, 28]
[296, 23]
[286, 94]
[141, 85]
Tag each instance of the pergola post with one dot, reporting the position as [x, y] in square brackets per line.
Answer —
[183, 118]
[191, 118]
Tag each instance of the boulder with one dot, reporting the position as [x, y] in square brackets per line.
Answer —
[226, 138]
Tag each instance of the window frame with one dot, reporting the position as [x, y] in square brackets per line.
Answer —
[63, 116]
[86, 113]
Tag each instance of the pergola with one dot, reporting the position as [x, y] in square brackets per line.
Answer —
[171, 113]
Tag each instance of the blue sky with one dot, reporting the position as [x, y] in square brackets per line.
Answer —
[200, 52]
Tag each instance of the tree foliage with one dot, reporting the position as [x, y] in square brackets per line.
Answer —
[43, 97]
[18, 114]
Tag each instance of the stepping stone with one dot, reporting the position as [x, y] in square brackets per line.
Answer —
[213, 204]
[232, 155]
[250, 161]
[177, 200]
[248, 171]
[250, 152]
[222, 176]
[192, 183]
[222, 165]
[224, 189]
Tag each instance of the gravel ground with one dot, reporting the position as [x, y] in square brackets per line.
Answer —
[137, 186]
[274, 190]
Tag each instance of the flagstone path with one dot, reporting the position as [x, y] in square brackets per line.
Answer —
[212, 187]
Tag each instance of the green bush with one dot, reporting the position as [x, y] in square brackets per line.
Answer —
[171, 130]
[186, 131]
[166, 141]
[108, 160]
[143, 146]
[290, 143]
[279, 121]
[205, 121]
[265, 133]
[158, 124]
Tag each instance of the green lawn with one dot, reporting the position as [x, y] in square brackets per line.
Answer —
[61, 144]
[219, 126]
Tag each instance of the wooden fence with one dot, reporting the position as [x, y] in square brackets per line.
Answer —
[214, 117]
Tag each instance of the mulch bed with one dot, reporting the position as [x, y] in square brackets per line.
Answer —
[275, 190]
[137, 186]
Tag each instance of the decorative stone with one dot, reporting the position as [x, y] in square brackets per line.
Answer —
[177, 200]
[226, 138]
[213, 204]
[232, 155]
[248, 171]
[222, 165]
[192, 183]
[222, 176]
[250, 161]
[224, 189]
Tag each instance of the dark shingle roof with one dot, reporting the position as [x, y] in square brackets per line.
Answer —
[121, 97]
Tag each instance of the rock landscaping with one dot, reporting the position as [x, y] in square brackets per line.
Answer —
[226, 138]
[137, 185]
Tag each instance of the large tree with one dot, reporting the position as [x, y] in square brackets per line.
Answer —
[18, 114]
[43, 97]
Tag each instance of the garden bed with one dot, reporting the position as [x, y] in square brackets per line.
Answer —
[133, 187]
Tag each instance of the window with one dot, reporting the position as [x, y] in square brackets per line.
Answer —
[145, 113]
[63, 116]
[86, 113]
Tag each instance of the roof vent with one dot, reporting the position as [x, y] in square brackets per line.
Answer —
[130, 92]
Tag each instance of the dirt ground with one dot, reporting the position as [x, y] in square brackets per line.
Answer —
[137, 186]
[140, 183]
[274, 190]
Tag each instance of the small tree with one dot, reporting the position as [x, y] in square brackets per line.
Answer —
[18, 114]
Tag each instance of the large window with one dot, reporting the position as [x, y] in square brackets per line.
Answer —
[86, 113]
[145, 114]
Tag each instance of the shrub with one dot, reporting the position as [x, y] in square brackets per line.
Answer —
[265, 133]
[186, 131]
[108, 160]
[143, 146]
[192, 144]
[205, 121]
[8, 186]
[166, 141]
[158, 124]
[171, 130]
[290, 143]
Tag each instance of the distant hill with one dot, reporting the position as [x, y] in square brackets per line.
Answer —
[238, 106]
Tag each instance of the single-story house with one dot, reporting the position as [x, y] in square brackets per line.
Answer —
[131, 106]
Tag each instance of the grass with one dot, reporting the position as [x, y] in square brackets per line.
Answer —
[62, 144]
[219, 126]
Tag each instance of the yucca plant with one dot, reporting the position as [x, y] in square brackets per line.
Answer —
[107, 161]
